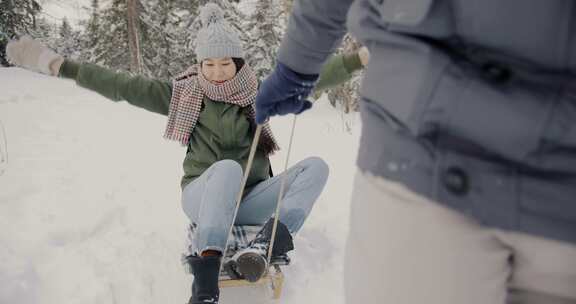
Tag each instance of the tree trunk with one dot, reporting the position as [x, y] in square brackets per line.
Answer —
[133, 37]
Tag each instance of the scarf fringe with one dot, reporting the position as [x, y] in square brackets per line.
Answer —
[182, 138]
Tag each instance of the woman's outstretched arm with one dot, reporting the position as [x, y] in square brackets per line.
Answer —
[153, 95]
[150, 94]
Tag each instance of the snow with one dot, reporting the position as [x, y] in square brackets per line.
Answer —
[90, 201]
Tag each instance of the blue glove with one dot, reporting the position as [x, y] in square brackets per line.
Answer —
[284, 92]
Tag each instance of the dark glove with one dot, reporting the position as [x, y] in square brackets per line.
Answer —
[284, 92]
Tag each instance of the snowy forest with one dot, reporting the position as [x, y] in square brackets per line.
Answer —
[155, 37]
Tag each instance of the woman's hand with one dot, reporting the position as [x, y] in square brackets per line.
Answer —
[33, 55]
[364, 55]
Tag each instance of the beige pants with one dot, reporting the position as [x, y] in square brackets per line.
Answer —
[405, 249]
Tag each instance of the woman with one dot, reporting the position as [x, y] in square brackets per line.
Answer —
[210, 110]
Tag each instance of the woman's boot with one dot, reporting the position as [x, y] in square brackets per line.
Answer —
[206, 272]
[251, 262]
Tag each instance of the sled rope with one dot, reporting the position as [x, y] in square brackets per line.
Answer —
[281, 193]
[244, 180]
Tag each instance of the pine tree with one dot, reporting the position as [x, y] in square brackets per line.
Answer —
[93, 22]
[110, 39]
[68, 40]
[166, 50]
[65, 28]
[109, 36]
[43, 30]
[90, 33]
[16, 18]
[65, 35]
[264, 28]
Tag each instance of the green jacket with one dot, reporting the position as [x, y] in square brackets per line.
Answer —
[222, 131]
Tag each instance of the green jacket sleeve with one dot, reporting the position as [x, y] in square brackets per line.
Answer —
[337, 70]
[150, 94]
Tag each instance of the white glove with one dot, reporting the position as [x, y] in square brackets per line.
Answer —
[33, 55]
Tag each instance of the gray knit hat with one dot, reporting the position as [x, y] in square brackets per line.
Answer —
[216, 39]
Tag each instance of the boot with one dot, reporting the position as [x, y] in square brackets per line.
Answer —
[251, 262]
[205, 286]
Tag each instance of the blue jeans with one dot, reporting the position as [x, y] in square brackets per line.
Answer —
[209, 201]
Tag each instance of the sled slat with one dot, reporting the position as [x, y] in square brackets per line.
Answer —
[275, 278]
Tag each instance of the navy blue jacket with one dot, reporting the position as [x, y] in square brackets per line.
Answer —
[469, 103]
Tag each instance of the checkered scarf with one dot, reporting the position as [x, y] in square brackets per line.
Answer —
[189, 89]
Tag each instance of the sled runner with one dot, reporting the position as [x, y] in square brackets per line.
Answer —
[241, 236]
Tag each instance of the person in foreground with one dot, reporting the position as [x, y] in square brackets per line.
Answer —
[466, 182]
[210, 111]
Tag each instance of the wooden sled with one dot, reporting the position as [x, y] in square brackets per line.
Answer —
[241, 235]
[274, 278]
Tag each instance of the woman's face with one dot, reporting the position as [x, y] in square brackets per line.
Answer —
[218, 70]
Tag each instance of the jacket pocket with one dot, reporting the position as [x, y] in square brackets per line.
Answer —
[505, 119]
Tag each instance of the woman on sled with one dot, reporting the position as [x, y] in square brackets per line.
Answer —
[210, 109]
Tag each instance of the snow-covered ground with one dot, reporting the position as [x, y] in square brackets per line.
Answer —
[90, 201]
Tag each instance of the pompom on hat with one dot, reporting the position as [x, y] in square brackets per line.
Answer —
[216, 39]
